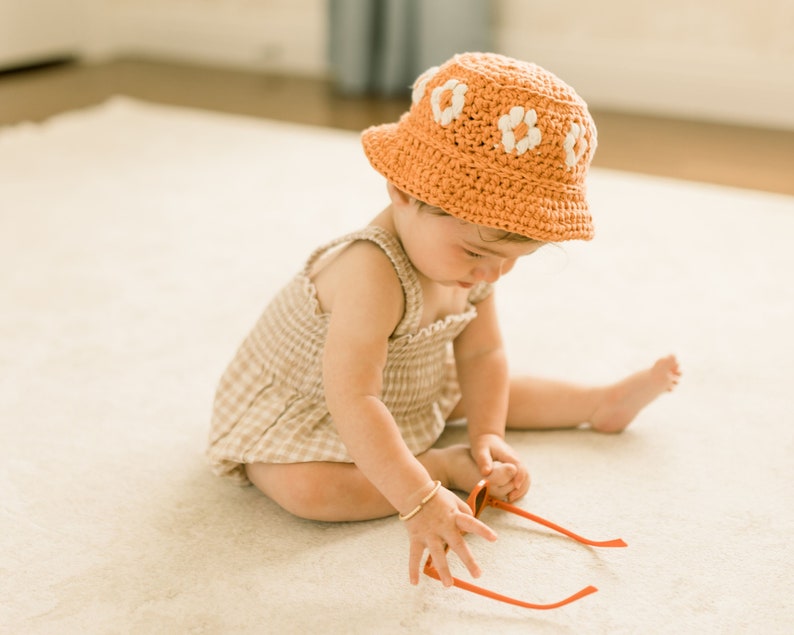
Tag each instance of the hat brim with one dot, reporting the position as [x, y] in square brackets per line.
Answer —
[458, 185]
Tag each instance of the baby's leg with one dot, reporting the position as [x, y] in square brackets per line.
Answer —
[541, 403]
[340, 491]
[320, 490]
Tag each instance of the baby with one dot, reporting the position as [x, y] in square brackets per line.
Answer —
[334, 402]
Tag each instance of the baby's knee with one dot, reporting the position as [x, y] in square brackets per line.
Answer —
[297, 493]
[306, 500]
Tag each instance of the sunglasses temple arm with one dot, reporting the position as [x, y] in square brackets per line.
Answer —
[542, 521]
[431, 571]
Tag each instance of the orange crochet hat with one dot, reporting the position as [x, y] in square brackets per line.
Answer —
[496, 142]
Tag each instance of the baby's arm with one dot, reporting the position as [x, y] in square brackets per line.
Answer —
[365, 306]
[485, 384]
[365, 309]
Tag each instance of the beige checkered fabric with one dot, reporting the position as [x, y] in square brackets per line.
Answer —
[270, 406]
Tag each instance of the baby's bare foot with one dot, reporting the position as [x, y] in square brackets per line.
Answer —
[500, 480]
[624, 400]
[463, 474]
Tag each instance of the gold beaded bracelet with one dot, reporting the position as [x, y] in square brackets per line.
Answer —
[422, 503]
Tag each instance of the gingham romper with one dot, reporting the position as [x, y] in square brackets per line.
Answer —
[270, 406]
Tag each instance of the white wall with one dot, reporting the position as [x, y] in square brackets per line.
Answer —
[725, 60]
[730, 60]
[32, 30]
[283, 35]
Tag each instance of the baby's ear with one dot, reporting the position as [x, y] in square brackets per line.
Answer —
[397, 196]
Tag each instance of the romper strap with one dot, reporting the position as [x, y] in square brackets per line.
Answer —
[412, 289]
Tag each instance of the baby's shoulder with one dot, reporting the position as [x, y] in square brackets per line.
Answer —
[359, 259]
[360, 268]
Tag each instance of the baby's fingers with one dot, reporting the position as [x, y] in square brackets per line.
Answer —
[439, 555]
[414, 561]
[471, 525]
[483, 459]
[461, 549]
[521, 482]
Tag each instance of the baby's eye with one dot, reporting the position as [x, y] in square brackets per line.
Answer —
[472, 254]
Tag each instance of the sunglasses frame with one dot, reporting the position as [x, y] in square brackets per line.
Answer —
[478, 500]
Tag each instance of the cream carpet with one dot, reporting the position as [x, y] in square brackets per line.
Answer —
[138, 243]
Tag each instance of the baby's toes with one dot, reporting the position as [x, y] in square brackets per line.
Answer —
[500, 480]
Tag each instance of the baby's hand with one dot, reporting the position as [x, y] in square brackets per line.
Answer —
[442, 521]
[488, 448]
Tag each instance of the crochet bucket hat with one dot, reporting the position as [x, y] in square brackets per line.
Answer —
[496, 142]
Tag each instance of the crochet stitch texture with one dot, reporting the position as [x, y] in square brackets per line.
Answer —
[494, 141]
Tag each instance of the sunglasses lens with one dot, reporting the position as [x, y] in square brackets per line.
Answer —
[479, 501]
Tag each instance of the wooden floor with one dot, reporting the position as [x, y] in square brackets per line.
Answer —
[732, 155]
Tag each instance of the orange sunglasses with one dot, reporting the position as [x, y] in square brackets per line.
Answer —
[478, 500]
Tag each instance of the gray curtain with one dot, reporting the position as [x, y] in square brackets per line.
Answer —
[381, 46]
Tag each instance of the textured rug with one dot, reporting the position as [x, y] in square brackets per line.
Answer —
[138, 244]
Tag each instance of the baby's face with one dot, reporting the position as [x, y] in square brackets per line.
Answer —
[452, 252]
